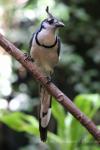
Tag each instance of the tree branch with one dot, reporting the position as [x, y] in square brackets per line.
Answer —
[54, 91]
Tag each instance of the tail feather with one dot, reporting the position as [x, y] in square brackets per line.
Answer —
[45, 113]
[43, 133]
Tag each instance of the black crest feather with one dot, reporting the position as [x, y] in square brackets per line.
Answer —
[47, 10]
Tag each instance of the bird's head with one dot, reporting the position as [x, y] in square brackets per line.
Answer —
[51, 23]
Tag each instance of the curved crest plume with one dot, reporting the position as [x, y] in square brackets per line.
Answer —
[47, 10]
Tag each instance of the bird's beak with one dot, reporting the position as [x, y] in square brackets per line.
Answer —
[59, 24]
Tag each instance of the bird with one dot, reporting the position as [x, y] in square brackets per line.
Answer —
[45, 50]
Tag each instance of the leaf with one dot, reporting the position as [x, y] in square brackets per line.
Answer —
[20, 122]
[59, 114]
[56, 142]
[89, 104]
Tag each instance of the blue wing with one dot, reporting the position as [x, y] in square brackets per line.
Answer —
[30, 43]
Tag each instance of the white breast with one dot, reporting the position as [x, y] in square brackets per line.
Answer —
[46, 58]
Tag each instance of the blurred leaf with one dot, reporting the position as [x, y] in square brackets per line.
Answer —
[89, 104]
[30, 4]
[20, 122]
[59, 115]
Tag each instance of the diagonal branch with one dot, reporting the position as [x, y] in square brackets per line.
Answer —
[54, 91]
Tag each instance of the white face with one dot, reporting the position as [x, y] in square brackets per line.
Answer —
[52, 23]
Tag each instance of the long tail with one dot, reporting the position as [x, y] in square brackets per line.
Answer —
[45, 112]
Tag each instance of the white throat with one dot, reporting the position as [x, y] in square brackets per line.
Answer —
[46, 37]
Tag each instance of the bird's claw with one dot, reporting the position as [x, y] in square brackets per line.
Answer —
[28, 57]
[48, 79]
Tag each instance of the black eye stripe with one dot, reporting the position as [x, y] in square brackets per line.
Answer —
[50, 21]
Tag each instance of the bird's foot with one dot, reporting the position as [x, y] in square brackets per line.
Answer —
[28, 57]
[49, 79]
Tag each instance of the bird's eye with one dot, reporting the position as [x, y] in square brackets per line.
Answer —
[51, 21]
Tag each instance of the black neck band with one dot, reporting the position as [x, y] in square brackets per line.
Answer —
[45, 46]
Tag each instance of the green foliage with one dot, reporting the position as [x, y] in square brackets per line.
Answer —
[20, 122]
[89, 104]
[70, 133]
